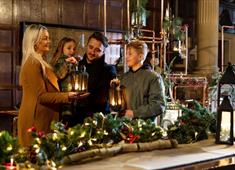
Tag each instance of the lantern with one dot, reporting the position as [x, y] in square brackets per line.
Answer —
[226, 85]
[117, 98]
[176, 45]
[79, 79]
[172, 113]
[224, 132]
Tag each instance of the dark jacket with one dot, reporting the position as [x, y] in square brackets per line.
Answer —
[100, 75]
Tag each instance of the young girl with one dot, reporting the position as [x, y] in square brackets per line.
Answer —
[63, 60]
[144, 88]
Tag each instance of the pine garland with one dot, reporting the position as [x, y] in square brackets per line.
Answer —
[8, 146]
[195, 124]
[99, 132]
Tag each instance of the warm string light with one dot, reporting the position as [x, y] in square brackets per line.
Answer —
[9, 147]
[92, 135]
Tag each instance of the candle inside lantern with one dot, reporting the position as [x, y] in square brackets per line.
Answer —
[80, 79]
[76, 86]
[116, 97]
[112, 102]
[119, 100]
[225, 126]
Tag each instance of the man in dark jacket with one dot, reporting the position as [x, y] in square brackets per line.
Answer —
[100, 75]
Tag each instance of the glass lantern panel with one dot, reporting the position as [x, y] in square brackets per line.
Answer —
[233, 123]
[228, 89]
[225, 126]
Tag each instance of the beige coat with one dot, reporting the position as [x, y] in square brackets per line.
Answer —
[40, 101]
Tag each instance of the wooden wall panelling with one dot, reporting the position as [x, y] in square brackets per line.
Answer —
[24, 10]
[6, 11]
[84, 13]
[35, 10]
[6, 99]
[115, 14]
[6, 79]
[150, 24]
[73, 12]
[50, 11]
[7, 66]
[94, 14]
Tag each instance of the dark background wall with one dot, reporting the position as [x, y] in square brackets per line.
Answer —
[80, 13]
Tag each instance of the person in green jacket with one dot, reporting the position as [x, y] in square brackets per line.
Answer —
[144, 87]
[64, 62]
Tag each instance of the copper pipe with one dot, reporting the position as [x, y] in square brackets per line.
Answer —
[128, 17]
[162, 12]
[117, 41]
[138, 14]
[222, 49]
[151, 38]
[105, 27]
[186, 52]
[148, 41]
[145, 30]
[164, 52]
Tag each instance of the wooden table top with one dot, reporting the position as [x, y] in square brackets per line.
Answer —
[186, 155]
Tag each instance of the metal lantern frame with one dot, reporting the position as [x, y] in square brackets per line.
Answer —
[117, 100]
[225, 102]
[225, 124]
[79, 79]
[226, 85]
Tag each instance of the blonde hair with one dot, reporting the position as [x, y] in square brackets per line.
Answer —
[140, 47]
[32, 36]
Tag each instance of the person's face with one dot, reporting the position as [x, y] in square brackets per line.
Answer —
[133, 59]
[69, 49]
[43, 45]
[95, 50]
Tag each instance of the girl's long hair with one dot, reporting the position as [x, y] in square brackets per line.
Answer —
[59, 49]
[32, 36]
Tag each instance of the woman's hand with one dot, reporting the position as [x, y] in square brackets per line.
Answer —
[71, 60]
[77, 96]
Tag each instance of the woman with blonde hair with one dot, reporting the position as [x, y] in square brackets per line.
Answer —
[41, 96]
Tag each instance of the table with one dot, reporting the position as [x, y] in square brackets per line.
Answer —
[186, 154]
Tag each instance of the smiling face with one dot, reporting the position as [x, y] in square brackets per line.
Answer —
[133, 58]
[69, 49]
[95, 50]
[43, 45]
